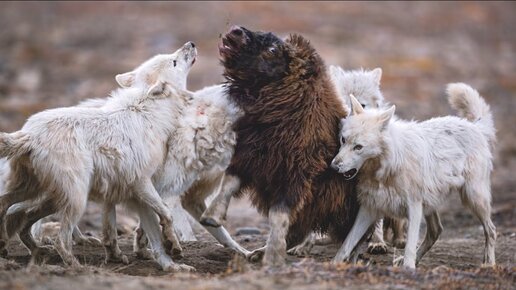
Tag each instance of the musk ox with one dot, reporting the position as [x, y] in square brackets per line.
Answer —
[286, 138]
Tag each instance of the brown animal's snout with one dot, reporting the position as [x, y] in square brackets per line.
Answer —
[236, 30]
[232, 41]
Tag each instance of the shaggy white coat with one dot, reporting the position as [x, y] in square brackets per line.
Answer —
[407, 169]
[108, 153]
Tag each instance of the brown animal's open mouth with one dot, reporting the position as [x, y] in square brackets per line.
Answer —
[232, 41]
[350, 173]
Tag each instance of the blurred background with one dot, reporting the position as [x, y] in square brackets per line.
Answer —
[58, 53]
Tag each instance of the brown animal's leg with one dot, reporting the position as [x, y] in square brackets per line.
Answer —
[113, 252]
[377, 244]
[434, 229]
[276, 248]
[215, 214]
[305, 247]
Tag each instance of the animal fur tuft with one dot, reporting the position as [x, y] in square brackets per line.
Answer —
[471, 106]
[13, 144]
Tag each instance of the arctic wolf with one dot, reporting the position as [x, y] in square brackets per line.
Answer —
[63, 156]
[407, 169]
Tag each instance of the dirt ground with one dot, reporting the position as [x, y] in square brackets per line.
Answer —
[56, 54]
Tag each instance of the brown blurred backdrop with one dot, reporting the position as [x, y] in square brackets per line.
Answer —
[58, 53]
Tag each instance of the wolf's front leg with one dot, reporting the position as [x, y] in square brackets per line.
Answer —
[276, 248]
[415, 213]
[364, 220]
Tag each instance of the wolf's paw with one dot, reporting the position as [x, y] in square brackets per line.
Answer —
[210, 222]
[173, 267]
[377, 248]
[42, 253]
[398, 261]
[120, 258]
[144, 254]
[175, 251]
[88, 241]
[300, 250]
[256, 255]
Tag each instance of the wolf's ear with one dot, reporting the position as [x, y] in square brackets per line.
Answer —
[125, 80]
[377, 75]
[158, 88]
[342, 121]
[356, 107]
[386, 116]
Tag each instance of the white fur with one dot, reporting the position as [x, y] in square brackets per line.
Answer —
[407, 169]
[108, 153]
[363, 84]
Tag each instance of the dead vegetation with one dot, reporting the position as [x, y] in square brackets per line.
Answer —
[56, 54]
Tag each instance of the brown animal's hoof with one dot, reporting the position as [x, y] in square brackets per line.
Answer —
[399, 243]
[377, 248]
[209, 222]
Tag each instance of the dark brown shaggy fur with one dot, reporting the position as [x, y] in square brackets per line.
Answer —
[289, 135]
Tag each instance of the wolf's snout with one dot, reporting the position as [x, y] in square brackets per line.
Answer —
[334, 164]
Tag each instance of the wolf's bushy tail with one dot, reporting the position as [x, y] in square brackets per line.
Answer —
[471, 106]
[14, 144]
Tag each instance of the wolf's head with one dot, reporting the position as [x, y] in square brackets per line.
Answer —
[254, 59]
[361, 137]
[162, 68]
[363, 84]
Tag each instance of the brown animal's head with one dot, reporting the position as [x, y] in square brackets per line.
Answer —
[253, 60]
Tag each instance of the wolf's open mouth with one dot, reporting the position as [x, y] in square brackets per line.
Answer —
[350, 173]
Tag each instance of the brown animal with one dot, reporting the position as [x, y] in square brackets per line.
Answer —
[286, 139]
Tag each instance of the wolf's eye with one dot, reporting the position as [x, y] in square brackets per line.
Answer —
[357, 147]
[342, 140]
[175, 63]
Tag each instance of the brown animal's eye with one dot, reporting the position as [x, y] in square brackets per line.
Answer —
[363, 106]
[357, 147]
[342, 140]
[175, 63]
[272, 49]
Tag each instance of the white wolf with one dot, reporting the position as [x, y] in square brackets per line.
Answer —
[64, 156]
[365, 86]
[198, 154]
[407, 169]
